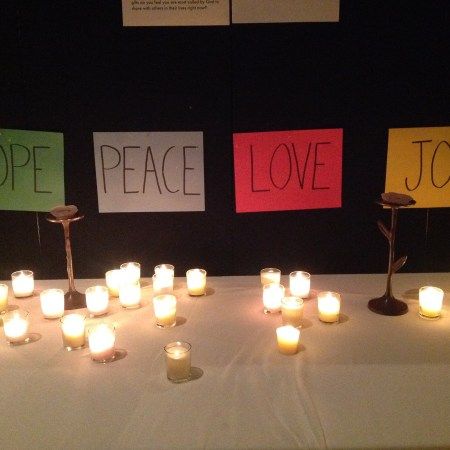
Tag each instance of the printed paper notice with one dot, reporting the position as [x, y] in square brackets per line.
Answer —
[288, 170]
[418, 164]
[279, 11]
[31, 170]
[156, 13]
[149, 171]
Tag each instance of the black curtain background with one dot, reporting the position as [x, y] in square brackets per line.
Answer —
[71, 67]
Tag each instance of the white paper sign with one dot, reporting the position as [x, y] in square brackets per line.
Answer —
[155, 13]
[279, 11]
[149, 171]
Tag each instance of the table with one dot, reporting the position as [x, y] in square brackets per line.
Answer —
[370, 381]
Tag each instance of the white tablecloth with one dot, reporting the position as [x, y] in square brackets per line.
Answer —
[370, 381]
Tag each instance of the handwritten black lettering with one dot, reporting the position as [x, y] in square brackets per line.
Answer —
[316, 164]
[103, 163]
[185, 169]
[13, 166]
[38, 169]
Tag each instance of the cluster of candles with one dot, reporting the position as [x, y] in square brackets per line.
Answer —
[328, 304]
[123, 283]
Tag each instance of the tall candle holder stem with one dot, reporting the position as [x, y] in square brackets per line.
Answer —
[72, 298]
[387, 304]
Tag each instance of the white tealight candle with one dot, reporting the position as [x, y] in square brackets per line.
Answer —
[287, 338]
[22, 283]
[15, 326]
[272, 295]
[299, 283]
[73, 331]
[130, 295]
[113, 278]
[430, 301]
[101, 343]
[165, 307]
[292, 311]
[3, 297]
[178, 361]
[97, 300]
[52, 303]
[270, 275]
[131, 272]
[329, 305]
[196, 281]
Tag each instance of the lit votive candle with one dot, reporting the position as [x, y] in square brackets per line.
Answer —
[292, 311]
[131, 272]
[164, 274]
[22, 283]
[73, 331]
[287, 338]
[165, 307]
[3, 297]
[329, 305]
[196, 281]
[112, 278]
[130, 295]
[52, 303]
[270, 275]
[299, 283]
[15, 326]
[272, 295]
[97, 300]
[178, 361]
[430, 301]
[162, 284]
[101, 342]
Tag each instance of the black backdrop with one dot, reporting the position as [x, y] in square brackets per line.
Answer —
[70, 66]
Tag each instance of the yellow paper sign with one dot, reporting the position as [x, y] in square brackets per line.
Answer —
[418, 164]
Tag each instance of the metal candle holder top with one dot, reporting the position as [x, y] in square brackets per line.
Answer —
[65, 215]
[387, 304]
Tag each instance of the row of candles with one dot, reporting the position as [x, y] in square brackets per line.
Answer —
[124, 283]
[328, 304]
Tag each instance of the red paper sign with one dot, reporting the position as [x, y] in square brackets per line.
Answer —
[288, 170]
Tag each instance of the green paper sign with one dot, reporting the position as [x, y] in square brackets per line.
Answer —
[31, 170]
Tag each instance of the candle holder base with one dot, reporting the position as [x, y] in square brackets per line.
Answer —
[74, 300]
[388, 306]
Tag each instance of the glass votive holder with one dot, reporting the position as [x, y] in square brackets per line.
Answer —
[430, 302]
[112, 279]
[22, 283]
[15, 326]
[165, 307]
[292, 311]
[97, 300]
[130, 272]
[3, 297]
[196, 282]
[162, 284]
[272, 295]
[52, 303]
[270, 275]
[73, 331]
[101, 340]
[299, 283]
[329, 305]
[287, 339]
[178, 361]
[130, 295]
[165, 270]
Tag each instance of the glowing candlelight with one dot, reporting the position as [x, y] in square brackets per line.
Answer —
[329, 305]
[272, 295]
[101, 342]
[196, 281]
[287, 339]
[299, 283]
[15, 326]
[97, 300]
[178, 361]
[270, 275]
[165, 307]
[430, 301]
[22, 283]
[52, 303]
